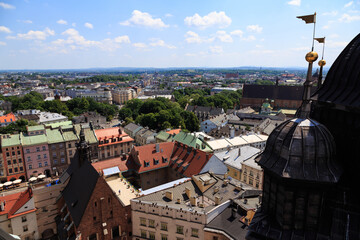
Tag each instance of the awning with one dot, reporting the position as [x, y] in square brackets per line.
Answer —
[7, 184]
[17, 181]
[32, 179]
[41, 176]
[111, 171]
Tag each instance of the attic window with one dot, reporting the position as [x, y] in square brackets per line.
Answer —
[164, 160]
[146, 164]
[156, 162]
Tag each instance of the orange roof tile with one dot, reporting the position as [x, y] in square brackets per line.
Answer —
[110, 133]
[155, 160]
[124, 165]
[14, 202]
[8, 118]
[174, 131]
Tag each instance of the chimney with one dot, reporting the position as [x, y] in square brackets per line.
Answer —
[169, 195]
[193, 201]
[232, 132]
[233, 213]
[217, 200]
[187, 192]
[216, 189]
[157, 147]
[239, 151]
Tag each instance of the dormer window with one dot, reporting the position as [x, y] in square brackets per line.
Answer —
[146, 164]
[156, 162]
[164, 160]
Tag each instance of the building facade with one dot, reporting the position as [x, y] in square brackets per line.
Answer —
[13, 158]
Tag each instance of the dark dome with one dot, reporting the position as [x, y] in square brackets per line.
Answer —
[301, 149]
[342, 83]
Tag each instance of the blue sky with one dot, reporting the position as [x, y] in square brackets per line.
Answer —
[54, 34]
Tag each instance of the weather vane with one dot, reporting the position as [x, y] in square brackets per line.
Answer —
[310, 57]
[322, 62]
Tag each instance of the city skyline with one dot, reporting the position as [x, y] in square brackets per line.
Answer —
[160, 34]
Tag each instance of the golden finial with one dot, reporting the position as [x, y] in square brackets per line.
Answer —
[322, 63]
[311, 56]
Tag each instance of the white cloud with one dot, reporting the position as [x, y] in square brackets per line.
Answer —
[347, 18]
[168, 15]
[144, 19]
[238, 33]
[161, 43]
[75, 41]
[332, 13]
[192, 37]
[122, 39]
[6, 6]
[216, 49]
[5, 29]
[348, 4]
[249, 38]
[254, 28]
[89, 25]
[2, 43]
[223, 36]
[295, 2]
[62, 22]
[35, 35]
[139, 45]
[218, 19]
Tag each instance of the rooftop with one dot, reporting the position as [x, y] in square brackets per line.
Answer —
[10, 140]
[33, 140]
[122, 189]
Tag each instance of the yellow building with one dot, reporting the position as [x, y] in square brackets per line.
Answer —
[120, 96]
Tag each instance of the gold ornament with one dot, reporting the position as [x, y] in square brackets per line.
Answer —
[322, 63]
[311, 56]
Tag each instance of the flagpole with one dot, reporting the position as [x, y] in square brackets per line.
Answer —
[312, 48]
[323, 50]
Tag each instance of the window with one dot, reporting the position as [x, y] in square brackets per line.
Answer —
[16, 169]
[18, 152]
[53, 147]
[10, 170]
[156, 162]
[69, 145]
[54, 154]
[9, 162]
[8, 154]
[39, 156]
[151, 235]
[143, 234]
[45, 156]
[28, 159]
[21, 169]
[25, 228]
[30, 166]
[179, 229]
[115, 232]
[62, 160]
[151, 223]
[142, 221]
[55, 161]
[70, 152]
[61, 145]
[163, 226]
[38, 149]
[13, 153]
[62, 154]
[164, 160]
[44, 148]
[164, 237]
[40, 164]
[23, 219]
[194, 232]
[45, 163]
[146, 164]
[20, 160]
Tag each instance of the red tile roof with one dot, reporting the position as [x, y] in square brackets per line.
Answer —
[174, 131]
[14, 202]
[147, 154]
[187, 160]
[123, 165]
[8, 118]
[111, 133]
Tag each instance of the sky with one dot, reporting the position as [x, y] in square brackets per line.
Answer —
[68, 34]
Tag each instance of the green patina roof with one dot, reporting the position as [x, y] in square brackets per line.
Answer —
[192, 141]
[13, 140]
[33, 140]
[164, 136]
[58, 124]
[69, 135]
[54, 136]
[89, 134]
[36, 128]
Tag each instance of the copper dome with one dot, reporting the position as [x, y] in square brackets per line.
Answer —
[301, 149]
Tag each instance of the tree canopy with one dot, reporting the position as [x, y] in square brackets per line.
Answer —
[159, 113]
